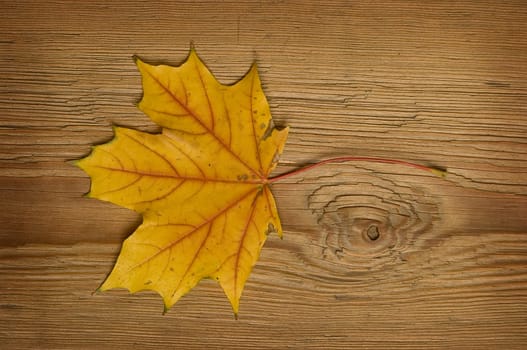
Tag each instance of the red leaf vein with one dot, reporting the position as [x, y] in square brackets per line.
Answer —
[203, 125]
[198, 227]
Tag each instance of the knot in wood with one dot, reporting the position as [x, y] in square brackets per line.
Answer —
[370, 222]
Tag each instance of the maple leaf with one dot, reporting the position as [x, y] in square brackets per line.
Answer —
[201, 185]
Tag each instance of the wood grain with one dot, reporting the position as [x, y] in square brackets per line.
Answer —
[374, 255]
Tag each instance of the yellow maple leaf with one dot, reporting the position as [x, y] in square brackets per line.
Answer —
[201, 184]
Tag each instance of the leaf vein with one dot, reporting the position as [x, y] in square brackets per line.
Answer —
[252, 122]
[242, 242]
[196, 228]
[174, 145]
[203, 125]
[163, 196]
[187, 178]
[160, 155]
[207, 97]
[130, 184]
[194, 258]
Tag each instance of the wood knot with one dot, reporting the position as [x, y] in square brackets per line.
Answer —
[369, 222]
[373, 233]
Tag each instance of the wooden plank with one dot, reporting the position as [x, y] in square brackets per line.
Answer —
[373, 255]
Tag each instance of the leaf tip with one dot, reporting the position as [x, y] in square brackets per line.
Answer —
[136, 59]
[165, 309]
[235, 304]
[192, 54]
[254, 66]
[253, 72]
[74, 162]
[439, 172]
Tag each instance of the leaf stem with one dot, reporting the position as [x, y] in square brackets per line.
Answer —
[435, 171]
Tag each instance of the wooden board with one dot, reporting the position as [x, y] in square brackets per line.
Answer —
[373, 255]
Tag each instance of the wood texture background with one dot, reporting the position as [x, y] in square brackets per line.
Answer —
[434, 82]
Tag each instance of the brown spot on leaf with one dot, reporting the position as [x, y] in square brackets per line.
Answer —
[243, 177]
[270, 229]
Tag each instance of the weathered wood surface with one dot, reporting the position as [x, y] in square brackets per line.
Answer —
[436, 82]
